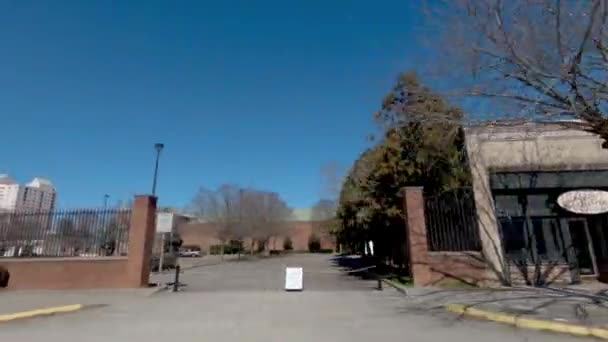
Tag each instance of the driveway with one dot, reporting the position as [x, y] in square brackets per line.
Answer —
[244, 301]
[320, 274]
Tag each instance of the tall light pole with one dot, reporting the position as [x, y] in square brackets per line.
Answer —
[159, 147]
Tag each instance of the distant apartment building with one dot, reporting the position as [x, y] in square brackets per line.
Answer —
[37, 195]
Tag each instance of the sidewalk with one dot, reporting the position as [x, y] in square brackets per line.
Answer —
[19, 301]
[575, 305]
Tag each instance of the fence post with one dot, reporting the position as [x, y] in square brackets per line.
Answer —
[413, 205]
[176, 280]
[141, 240]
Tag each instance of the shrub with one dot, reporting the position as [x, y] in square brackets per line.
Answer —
[287, 244]
[275, 252]
[314, 244]
[216, 249]
[326, 250]
[236, 247]
[261, 246]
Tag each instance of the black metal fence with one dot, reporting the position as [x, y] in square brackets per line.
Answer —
[65, 233]
[451, 221]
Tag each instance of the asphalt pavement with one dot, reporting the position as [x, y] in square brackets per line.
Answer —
[321, 273]
[244, 301]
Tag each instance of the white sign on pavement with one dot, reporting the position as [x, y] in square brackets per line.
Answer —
[293, 278]
[164, 222]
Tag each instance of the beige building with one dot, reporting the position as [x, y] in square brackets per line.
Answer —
[37, 195]
[521, 174]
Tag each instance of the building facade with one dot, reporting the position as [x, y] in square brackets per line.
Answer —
[37, 195]
[299, 228]
[523, 177]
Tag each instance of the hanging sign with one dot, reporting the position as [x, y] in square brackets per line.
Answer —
[588, 202]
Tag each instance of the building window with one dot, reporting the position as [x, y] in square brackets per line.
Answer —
[529, 231]
[513, 235]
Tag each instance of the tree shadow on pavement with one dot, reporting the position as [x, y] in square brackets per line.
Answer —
[367, 269]
[355, 266]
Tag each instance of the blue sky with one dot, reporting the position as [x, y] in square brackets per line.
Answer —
[260, 93]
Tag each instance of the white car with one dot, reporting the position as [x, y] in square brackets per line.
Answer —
[190, 253]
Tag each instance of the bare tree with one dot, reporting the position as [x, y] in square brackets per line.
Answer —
[332, 177]
[223, 208]
[264, 216]
[324, 211]
[323, 217]
[528, 59]
[243, 213]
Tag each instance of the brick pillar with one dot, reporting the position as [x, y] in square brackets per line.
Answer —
[141, 240]
[413, 205]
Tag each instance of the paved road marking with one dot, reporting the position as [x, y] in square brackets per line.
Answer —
[40, 312]
[530, 323]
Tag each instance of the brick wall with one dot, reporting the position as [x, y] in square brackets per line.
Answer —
[67, 273]
[413, 206]
[431, 268]
[205, 235]
[93, 272]
[471, 268]
[467, 267]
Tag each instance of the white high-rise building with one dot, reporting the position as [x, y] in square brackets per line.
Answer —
[37, 195]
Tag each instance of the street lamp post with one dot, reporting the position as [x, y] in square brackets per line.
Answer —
[159, 147]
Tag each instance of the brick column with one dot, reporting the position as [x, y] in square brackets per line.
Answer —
[141, 240]
[413, 205]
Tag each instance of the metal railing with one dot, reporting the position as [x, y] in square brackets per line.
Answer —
[451, 221]
[65, 233]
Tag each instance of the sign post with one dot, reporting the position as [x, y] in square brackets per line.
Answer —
[164, 225]
[161, 259]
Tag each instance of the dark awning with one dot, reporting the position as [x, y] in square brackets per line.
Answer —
[549, 179]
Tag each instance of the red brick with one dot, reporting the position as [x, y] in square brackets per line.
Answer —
[93, 272]
[416, 235]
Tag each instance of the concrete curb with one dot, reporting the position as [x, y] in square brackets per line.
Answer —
[530, 323]
[40, 312]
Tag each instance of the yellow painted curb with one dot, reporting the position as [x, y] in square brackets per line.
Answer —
[40, 312]
[530, 323]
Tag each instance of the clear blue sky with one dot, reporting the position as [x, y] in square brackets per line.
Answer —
[260, 93]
